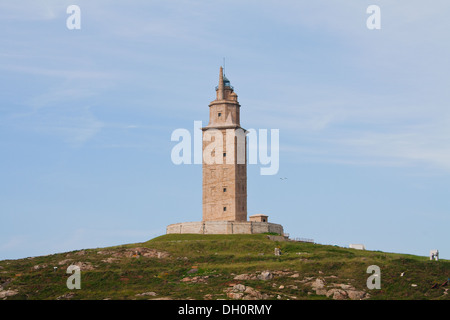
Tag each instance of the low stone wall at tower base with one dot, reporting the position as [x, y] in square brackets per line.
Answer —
[225, 227]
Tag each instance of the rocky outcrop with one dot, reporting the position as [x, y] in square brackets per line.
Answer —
[150, 293]
[337, 294]
[196, 279]
[7, 293]
[240, 291]
[264, 275]
[65, 261]
[40, 266]
[84, 266]
[66, 296]
[135, 253]
[318, 286]
[357, 295]
[337, 291]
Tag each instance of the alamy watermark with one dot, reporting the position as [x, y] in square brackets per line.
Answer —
[374, 281]
[74, 281]
[373, 22]
[73, 22]
[233, 150]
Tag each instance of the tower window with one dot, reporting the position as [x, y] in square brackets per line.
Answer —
[224, 154]
[219, 114]
[224, 208]
[224, 189]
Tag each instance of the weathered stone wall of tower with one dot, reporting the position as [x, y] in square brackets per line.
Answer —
[224, 184]
[225, 173]
[225, 227]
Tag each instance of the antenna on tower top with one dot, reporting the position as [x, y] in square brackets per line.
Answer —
[224, 65]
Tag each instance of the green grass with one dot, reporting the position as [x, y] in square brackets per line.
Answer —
[220, 258]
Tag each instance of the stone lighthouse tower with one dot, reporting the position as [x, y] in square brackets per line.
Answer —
[224, 158]
[225, 173]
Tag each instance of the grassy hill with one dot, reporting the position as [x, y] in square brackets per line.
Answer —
[224, 267]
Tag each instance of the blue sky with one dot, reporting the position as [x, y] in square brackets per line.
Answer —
[86, 118]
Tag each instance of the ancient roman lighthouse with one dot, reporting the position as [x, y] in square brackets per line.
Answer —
[224, 177]
[225, 172]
